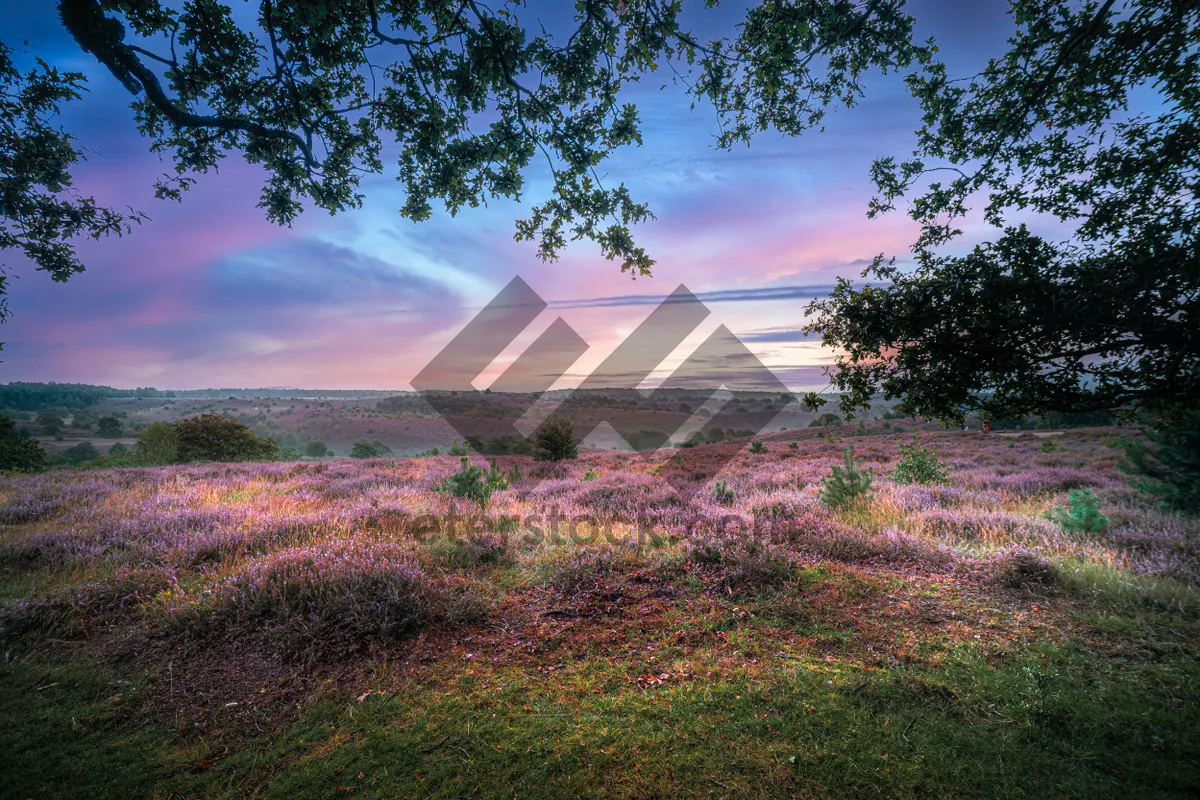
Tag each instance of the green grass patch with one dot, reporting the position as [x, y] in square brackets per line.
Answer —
[1046, 722]
[1123, 590]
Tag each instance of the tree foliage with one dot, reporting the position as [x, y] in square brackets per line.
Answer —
[474, 483]
[1081, 514]
[847, 485]
[77, 454]
[19, 454]
[369, 448]
[41, 212]
[157, 445]
[919, 464]
[554, 440]
[70, 396]
[1170, 468]
[1101, 318]
[467, 95]
[212, 437]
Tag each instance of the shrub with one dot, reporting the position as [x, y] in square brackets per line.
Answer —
[846, 486]
[315, 448]
[351, 587]
[50, 423]
[555, 440]
[157, 445]
[754, 567]
[1081, 515]
[109, 427]
[1173, 467]
[1048, 446]
[919, 465]
[1025, 570]
[212, 437]
[482, 549]
[473, 482]
[794, 446]
[723, 494]
[369, 448]
[570, 569]
[590, 475]
[117, 449]
[757, 447]
[16, 453]
[73, 456]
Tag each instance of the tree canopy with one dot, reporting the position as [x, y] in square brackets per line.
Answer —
[463, 97]
[1103, 317]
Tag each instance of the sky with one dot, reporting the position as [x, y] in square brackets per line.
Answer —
[208, 293]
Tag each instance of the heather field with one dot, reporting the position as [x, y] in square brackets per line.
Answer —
[617, 626]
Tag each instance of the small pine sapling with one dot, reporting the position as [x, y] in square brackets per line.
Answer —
[846, 486]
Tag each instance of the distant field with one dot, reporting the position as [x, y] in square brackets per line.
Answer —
[341, 421]
[610, 628]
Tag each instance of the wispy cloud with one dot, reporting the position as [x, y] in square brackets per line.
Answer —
[719, 296]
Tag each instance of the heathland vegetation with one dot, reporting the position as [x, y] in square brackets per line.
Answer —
[932, 613]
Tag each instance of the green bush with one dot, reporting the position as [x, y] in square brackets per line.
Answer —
[1048, 446]
[18, 453]
[757, 447]
[370, 448]
[73, 456]
[315, 449]
[50, 423]
[919, 465]
[555, 440]
[1081, 514]
[473, 482]
[846, 486]
[109, 427]
[157, 445]
[212, 437]
[723, 494]
[1172, 468]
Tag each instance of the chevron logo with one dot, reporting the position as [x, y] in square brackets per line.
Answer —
[721, 361]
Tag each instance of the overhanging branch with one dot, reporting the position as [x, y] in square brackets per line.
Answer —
[104, 38]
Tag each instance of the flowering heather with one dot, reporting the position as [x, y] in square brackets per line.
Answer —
[572, 568]
[357, 586]
[1039, 480]
[372, 547]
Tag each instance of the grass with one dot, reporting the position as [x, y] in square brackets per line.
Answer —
[1050, 721]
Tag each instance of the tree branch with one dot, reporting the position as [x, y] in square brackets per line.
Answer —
[104, 37]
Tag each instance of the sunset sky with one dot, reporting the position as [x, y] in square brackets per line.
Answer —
[208, 293]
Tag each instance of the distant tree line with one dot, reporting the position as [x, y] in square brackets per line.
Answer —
[69, 396]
